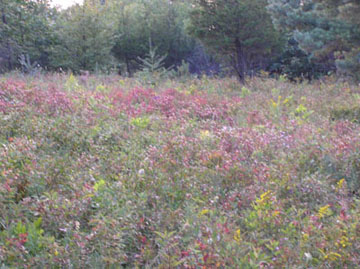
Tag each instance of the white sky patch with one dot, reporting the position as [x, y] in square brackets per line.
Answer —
[65, 3]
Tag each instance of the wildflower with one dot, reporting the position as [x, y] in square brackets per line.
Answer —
[332, 256]
[204, 212]
[274, 104]
[237, 235]
[23, 238]
[306, 237]
[185, 253]
[340, 184]
[300, 109]
[187, 92]
[344, 242]
[141, 172]
[264, 198]
[324, 211]
[275, 213]
[140, 122]
[99, 185]
[205, 134]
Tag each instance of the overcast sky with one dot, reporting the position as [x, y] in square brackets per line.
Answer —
[65, 3]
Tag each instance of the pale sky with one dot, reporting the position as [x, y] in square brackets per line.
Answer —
[65, 3]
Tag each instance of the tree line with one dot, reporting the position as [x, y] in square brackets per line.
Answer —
[302, 39]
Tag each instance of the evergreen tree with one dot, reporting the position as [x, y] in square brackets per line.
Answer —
[163, 21]
[239, 30]
[295, 63]
[328, 30]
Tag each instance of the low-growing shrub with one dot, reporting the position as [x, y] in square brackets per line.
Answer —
[188, 174]
[346, 113]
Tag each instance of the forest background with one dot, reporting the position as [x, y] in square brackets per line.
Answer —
[297, 38]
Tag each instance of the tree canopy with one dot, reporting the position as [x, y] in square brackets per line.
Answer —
[328, 30]
[239, 30]
[299, 38]
[25, 29]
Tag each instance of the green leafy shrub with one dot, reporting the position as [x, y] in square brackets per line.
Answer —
[346, 113]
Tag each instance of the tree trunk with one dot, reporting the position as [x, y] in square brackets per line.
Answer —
[127, 61]
[9, 48]
[10, 56]
[240, 61]
[3, 17]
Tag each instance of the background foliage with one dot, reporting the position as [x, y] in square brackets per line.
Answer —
[299, 39]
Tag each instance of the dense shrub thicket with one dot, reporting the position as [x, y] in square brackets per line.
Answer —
[105, 172]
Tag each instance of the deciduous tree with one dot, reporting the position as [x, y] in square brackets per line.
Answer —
[25, 30]
[85, 37]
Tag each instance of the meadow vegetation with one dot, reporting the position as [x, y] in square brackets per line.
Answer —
[111, 172]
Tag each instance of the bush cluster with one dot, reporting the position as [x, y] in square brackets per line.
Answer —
[105, 173]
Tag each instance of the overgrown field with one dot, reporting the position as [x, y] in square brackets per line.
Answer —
[104, 172]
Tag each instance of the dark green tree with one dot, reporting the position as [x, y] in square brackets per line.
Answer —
[295, 63]
[241, 31]
[329, 31]
[163, 21]
[85, 37]
[25, 30]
